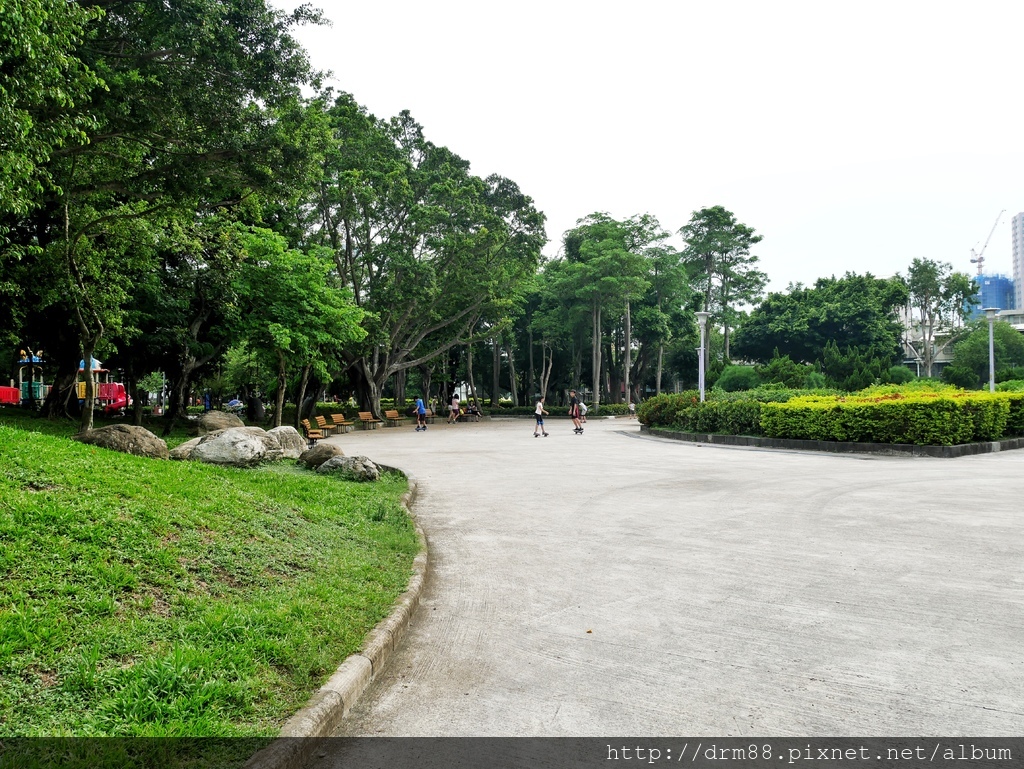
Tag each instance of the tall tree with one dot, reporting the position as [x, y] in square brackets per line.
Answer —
[428, 249]
[854, 311]
[941, 299]
[722, 270]
[293, 314]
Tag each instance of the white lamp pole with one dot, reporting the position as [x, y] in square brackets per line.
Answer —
[990, 313]
[702, 318]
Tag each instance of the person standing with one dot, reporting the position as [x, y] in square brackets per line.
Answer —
[453, 414]
[539, 412]
[574, 412]
[421, 415]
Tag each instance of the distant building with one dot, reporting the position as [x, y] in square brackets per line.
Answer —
[1017, 230]
[994, 291]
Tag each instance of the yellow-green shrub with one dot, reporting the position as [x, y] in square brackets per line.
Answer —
[924, 418]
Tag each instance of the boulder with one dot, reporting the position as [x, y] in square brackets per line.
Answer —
[292, 443]
[351, 468]
[316, 456]
[184, 450]
[235, 447]
[127, 439]
[270, 442]
[212, 421]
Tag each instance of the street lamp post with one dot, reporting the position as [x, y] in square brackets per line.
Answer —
[990, 313]
[702, 318]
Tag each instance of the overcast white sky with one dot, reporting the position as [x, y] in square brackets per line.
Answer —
[852, 136]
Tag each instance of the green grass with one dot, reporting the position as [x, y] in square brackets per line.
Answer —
[158, 598]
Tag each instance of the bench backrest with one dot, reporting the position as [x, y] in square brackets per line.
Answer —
[367, 416]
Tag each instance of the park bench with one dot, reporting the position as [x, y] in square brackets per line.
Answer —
[429, 416]
[312, 434]
[394, 419]
[343, 424]
[325, 428]
[467, 416]
[368, 421]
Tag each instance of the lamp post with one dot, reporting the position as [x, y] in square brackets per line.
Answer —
[990, 313]
[702, 318]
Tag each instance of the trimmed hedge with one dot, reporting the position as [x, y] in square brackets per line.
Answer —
[940, 416]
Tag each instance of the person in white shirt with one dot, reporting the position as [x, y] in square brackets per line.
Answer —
[539, 412]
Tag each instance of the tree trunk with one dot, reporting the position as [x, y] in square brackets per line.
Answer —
[469, 374]
[547, 357]
[426, 375]
[301, 399]
[595, 352]
[512, 375]
[86, 422]
[495, 371]
[661, 360]
[282, 383]
[627, 354]
[531, 385]
[400, 379]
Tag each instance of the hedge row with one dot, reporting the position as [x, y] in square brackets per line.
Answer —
[943, 417]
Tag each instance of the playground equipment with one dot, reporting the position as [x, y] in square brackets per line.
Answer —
[110, 397]
[31, 387]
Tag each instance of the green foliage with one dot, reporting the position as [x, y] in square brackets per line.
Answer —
[852, 312]
[734, 378]
[899, 375]
[154, 598]
[853, 368]
[815, 381]
[961, 376]
[782, 369]
[945, 417]
[972, 351]
[1011, 386]
[1007, 373]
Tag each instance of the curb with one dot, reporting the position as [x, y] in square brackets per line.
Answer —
[325, 710]
[841, 447]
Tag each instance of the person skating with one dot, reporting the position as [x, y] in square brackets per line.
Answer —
[453, 413]
[574, 412]
[421, 415]
[539, 412]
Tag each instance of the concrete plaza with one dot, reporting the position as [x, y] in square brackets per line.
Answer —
[618, 584]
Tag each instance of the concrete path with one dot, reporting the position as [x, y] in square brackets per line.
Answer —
[613, 584]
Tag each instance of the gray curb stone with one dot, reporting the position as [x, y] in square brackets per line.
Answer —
[325, 710]
[841, 447]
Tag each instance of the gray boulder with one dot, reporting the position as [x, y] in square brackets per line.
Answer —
[235, 447]
[270, 442]
[128, 439]
[184, 450]
[212, 421]
[320, 453]
[291, 442]
[351, 468]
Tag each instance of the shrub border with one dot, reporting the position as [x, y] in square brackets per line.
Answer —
[841, 447]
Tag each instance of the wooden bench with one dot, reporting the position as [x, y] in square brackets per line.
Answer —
[466, 416]
[368, 421]
[325, 428]
[429, 416]
[341, 423]
[312, 434]
[394, 419]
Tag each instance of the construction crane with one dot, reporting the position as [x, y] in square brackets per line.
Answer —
[978, 257]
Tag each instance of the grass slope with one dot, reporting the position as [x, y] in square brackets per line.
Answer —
[157, 598]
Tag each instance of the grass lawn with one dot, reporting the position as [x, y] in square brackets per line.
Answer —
[158, 598]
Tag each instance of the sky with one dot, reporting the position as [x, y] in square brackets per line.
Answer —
[854, 137]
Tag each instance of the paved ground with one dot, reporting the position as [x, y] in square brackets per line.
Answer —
[613, 584]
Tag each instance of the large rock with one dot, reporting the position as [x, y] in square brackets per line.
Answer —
[212, 421]
[320, 453]
[351, 468]
[235, 447]
[127, 439]
[184, 450]
[292, 443]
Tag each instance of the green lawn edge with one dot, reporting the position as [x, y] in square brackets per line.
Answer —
[153, 598]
